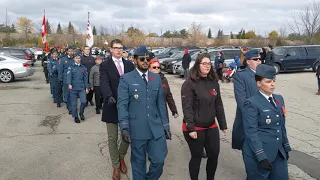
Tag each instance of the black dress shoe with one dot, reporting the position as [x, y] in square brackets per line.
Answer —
[81, 116]
[76, 120]
[58, 105]
[98, 111]
[70, 112]
[92, 103]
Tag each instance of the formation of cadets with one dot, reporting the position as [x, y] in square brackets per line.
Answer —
[133, 95]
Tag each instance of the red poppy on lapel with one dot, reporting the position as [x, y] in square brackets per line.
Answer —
[277, 101]
[82, 70]
[213, 92]
[151, 78]
[164, 85]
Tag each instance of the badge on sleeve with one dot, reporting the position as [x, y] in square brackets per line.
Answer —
[268, 121]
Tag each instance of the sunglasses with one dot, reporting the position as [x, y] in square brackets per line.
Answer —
[142, 59]
[256, 59]
[156, 67]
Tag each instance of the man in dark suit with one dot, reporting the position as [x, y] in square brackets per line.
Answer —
[110, 72]
[143, 118]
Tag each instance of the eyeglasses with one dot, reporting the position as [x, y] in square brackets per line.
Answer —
[206, 64]
[156, 67]
[142, 59]
[118, 48]
[124, 51]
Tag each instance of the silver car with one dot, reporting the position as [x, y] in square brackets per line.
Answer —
[12, 68]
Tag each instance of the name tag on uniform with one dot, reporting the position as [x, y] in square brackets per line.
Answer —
[266, 110]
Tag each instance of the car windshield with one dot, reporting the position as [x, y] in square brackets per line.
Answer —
[165, 50]
[279, 51]
[179, 54]
[174, 55]
[195, 55]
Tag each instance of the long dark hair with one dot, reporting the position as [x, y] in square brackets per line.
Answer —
[195, 70]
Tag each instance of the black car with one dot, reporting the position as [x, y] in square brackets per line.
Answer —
[21, 53]
[167, 65]
[296, 57]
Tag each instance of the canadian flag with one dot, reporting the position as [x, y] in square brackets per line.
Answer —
[89, 37]
[44, 34]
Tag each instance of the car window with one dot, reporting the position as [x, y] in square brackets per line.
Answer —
[230, 54]
[4, 51]
[292, 52]
[279, 51]
[2, 59]
[314, 51]
[174, 50]
[17, 52]
[28, 51]
[302, 52]
[212, 55]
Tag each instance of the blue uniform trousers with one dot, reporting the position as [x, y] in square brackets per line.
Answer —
[255, 172]
[74, 94]
[157, 152]
[52, 81]
[319, 83]
[66, 96]
[58, 92]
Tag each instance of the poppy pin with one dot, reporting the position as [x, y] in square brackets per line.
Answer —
[277, 101]
[151, 78]
[81, 70]
[164, 85]
[213, 92]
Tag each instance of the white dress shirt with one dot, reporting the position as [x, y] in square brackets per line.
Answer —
[116, 63]
[142, 73]
[267, 97]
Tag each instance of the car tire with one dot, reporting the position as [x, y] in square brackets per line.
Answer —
[277, 68]
[314, 68]
[6, 76]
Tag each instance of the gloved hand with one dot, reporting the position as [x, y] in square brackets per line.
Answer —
[126, 136]
[265, 164]
[287, 153]
[175, 114]
[168, 134]
[111, 100]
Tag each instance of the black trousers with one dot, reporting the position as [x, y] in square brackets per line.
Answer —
[90, 95]
[210, 140]
[98, 97]
[46, 73]
[219, 72]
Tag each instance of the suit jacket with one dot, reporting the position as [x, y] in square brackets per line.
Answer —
[264, 127]
[244, 87]
[141, 106]
[109, 82]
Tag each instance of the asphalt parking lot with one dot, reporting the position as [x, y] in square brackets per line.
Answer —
[41, 142]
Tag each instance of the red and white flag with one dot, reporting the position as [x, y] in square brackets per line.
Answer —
[44, 34]
[89, 37]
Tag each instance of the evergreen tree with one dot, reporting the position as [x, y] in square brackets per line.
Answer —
[59, 29]
[231, 35]
[48, 27]
[209, 34]
[70, 28]
[94, 31]
[13, 28]
[243, 35]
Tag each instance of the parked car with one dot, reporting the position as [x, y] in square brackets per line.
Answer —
[171, 50]
[20, 53]
[296, 57]
[167, 65]
[229, 55]
[12, 68]
[37, 52]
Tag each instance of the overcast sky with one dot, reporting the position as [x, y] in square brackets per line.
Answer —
[154, 15]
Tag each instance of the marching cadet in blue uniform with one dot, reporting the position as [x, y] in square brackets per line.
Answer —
[77, 79]
[65, 63]
[142, 118]
[53, 74]
[266, 145]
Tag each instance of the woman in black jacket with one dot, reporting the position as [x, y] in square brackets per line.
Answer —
[202, 104]
[154, 66]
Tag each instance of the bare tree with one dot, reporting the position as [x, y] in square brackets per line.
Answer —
[196, 34]
[307, 21]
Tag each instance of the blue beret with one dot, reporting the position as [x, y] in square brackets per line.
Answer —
[54, 51]
[141, 51]
[266, 71]
[254, 53]
[70, 47]
[125, 48]
[107, 50]
[77, 54]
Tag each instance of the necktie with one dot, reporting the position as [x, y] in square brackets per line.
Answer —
[119, 67]
[144, 78]
[272, 103]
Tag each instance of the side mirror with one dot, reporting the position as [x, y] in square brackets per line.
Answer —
[170, 53]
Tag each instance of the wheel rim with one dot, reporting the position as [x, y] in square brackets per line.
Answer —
[5, 76]
[277, 69]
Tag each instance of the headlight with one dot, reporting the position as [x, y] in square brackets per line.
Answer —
[173, 62]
